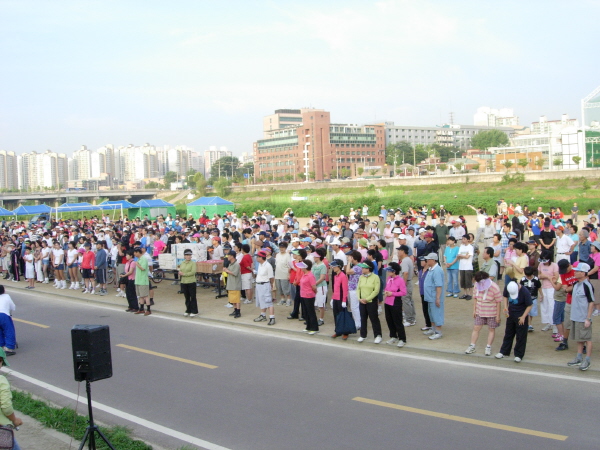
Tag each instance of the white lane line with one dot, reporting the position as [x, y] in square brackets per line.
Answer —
[118, 413]
[307, 340]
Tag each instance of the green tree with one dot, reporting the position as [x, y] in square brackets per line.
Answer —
[523, 162]
[540, 162]
[224, 167]
[153, 185]
[459, 166]
[359, 171]
[222, 187]
[170, 177]
[311, 176]
[443, 167]
[289, 178]
[557, 162]
[200, 183]
[302, 176]
[344, 173]
[246, 168]
[577, 160]
[489, 138]
[406, 153]
[373, 172]
[475, 167]
[508, 164]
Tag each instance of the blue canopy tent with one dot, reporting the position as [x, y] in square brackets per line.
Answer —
[212, 205]
[6, 212]
[84, 206]
[31, 210]
[132, 210]
[154, 208]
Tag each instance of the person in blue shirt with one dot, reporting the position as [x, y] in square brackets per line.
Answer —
[534, 224]
[433, 290]
[451, 264]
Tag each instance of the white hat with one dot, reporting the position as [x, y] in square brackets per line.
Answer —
[421, 230]
[432, 255]
[513, 289]
[336, 242]
[295, 239]
[396, 231]
[336, 229]
[402, 236]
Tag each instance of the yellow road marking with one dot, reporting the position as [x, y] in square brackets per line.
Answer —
[482, 423]
[163, 355]
[31, 323]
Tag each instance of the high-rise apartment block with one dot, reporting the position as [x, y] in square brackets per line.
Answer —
[305, 141]
[491, 117]
[9, 170]
[43, 170]
[211, 155]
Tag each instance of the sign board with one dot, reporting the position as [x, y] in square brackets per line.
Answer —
[246, 175]
[372, 168]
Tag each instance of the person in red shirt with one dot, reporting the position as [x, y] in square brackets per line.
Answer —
[567, 277]
[246, 265]
[87, 268]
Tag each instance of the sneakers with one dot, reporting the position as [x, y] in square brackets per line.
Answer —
[547, 327]
[320, 322]
[488, 351]
[174, 283]
[463, 297]
[312, 332]
[103, 292]
[530, 329]
[429, 332]
[409, 324]
[246, 302]
[260, 318]
[288, 303]
[379, 310]
[185, 314]
[596, 313]
[575, 362]
[562, 346]
[468, 297]
[271, 321]
[392, 341]
[377, 340]
[517, 359]
[193, 315]
[425, 328]
[435, 336]
[455, 296]
[470, 349]
[361, 339]
[93, 292]
[559, 338]
[401, 344]
[449, 294]
[499, 355]
[85, 291]
[228, 305]
[555, 335]
[585, 365]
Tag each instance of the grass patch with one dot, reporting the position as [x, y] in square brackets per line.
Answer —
[67, 421]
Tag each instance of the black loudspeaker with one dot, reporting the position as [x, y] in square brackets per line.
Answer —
[91, 352]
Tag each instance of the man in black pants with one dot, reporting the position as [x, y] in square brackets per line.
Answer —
[368, 289]
[187, 271]
[517, 303]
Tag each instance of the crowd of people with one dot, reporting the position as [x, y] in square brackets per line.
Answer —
[515, 265]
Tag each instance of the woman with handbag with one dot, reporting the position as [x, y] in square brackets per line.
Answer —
[7, 414]
[395, 289]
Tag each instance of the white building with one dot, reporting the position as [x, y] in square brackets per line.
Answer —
[9, 170]
[82, 164]
[492, 117]
[44, 170]
[211, 155]
[137, 163]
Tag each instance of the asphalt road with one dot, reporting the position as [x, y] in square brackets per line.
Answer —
[274, 391]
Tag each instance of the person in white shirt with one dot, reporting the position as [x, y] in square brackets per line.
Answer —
[465, 268]
[481, 223]
[564, 244]
[282, 274]
[265, 284]
[7, 328]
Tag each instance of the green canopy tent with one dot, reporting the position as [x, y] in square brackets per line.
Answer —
[154, 208]
[212, 205]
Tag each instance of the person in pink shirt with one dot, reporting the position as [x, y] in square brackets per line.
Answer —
[395, 289]
[339, 297]
[159, 247]
[308, 293]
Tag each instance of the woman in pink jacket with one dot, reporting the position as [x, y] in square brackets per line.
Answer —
[395, 288]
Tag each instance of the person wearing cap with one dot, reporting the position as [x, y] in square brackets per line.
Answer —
[282, 272]
[187, 274]
[531, 282]
[367, 290]
[265, 284]
[516, 304]
[486, 310]
[457, 230]
[564, 244]
[548, 272]
[593, 273]
[308, 290]
[234, 283]
[394, 291]
[433, 288]
[339, 296]
[582, 308]
[58, 258]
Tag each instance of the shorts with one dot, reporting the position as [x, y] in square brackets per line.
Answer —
[534, 308]
[489, 321]
[73, 266]
[60, 267]
[558, 315]
[142, 290]
[100, 276]
[596, 286]
[465, 278]
[568, 314]
[234, 296]
[321, 297]
[579, 333]
[87, 273]
[45, 262]
[283, 287]
[436, 314]
[264, 298]
[246, 281]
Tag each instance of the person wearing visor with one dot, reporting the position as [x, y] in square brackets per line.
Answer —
[368, 289]
[486, 310]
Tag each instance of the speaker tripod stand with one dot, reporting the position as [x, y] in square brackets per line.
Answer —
[92, 428]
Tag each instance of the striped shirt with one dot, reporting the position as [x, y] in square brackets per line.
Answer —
[490, 306]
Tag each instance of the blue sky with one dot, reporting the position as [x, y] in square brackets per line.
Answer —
[203, 73]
